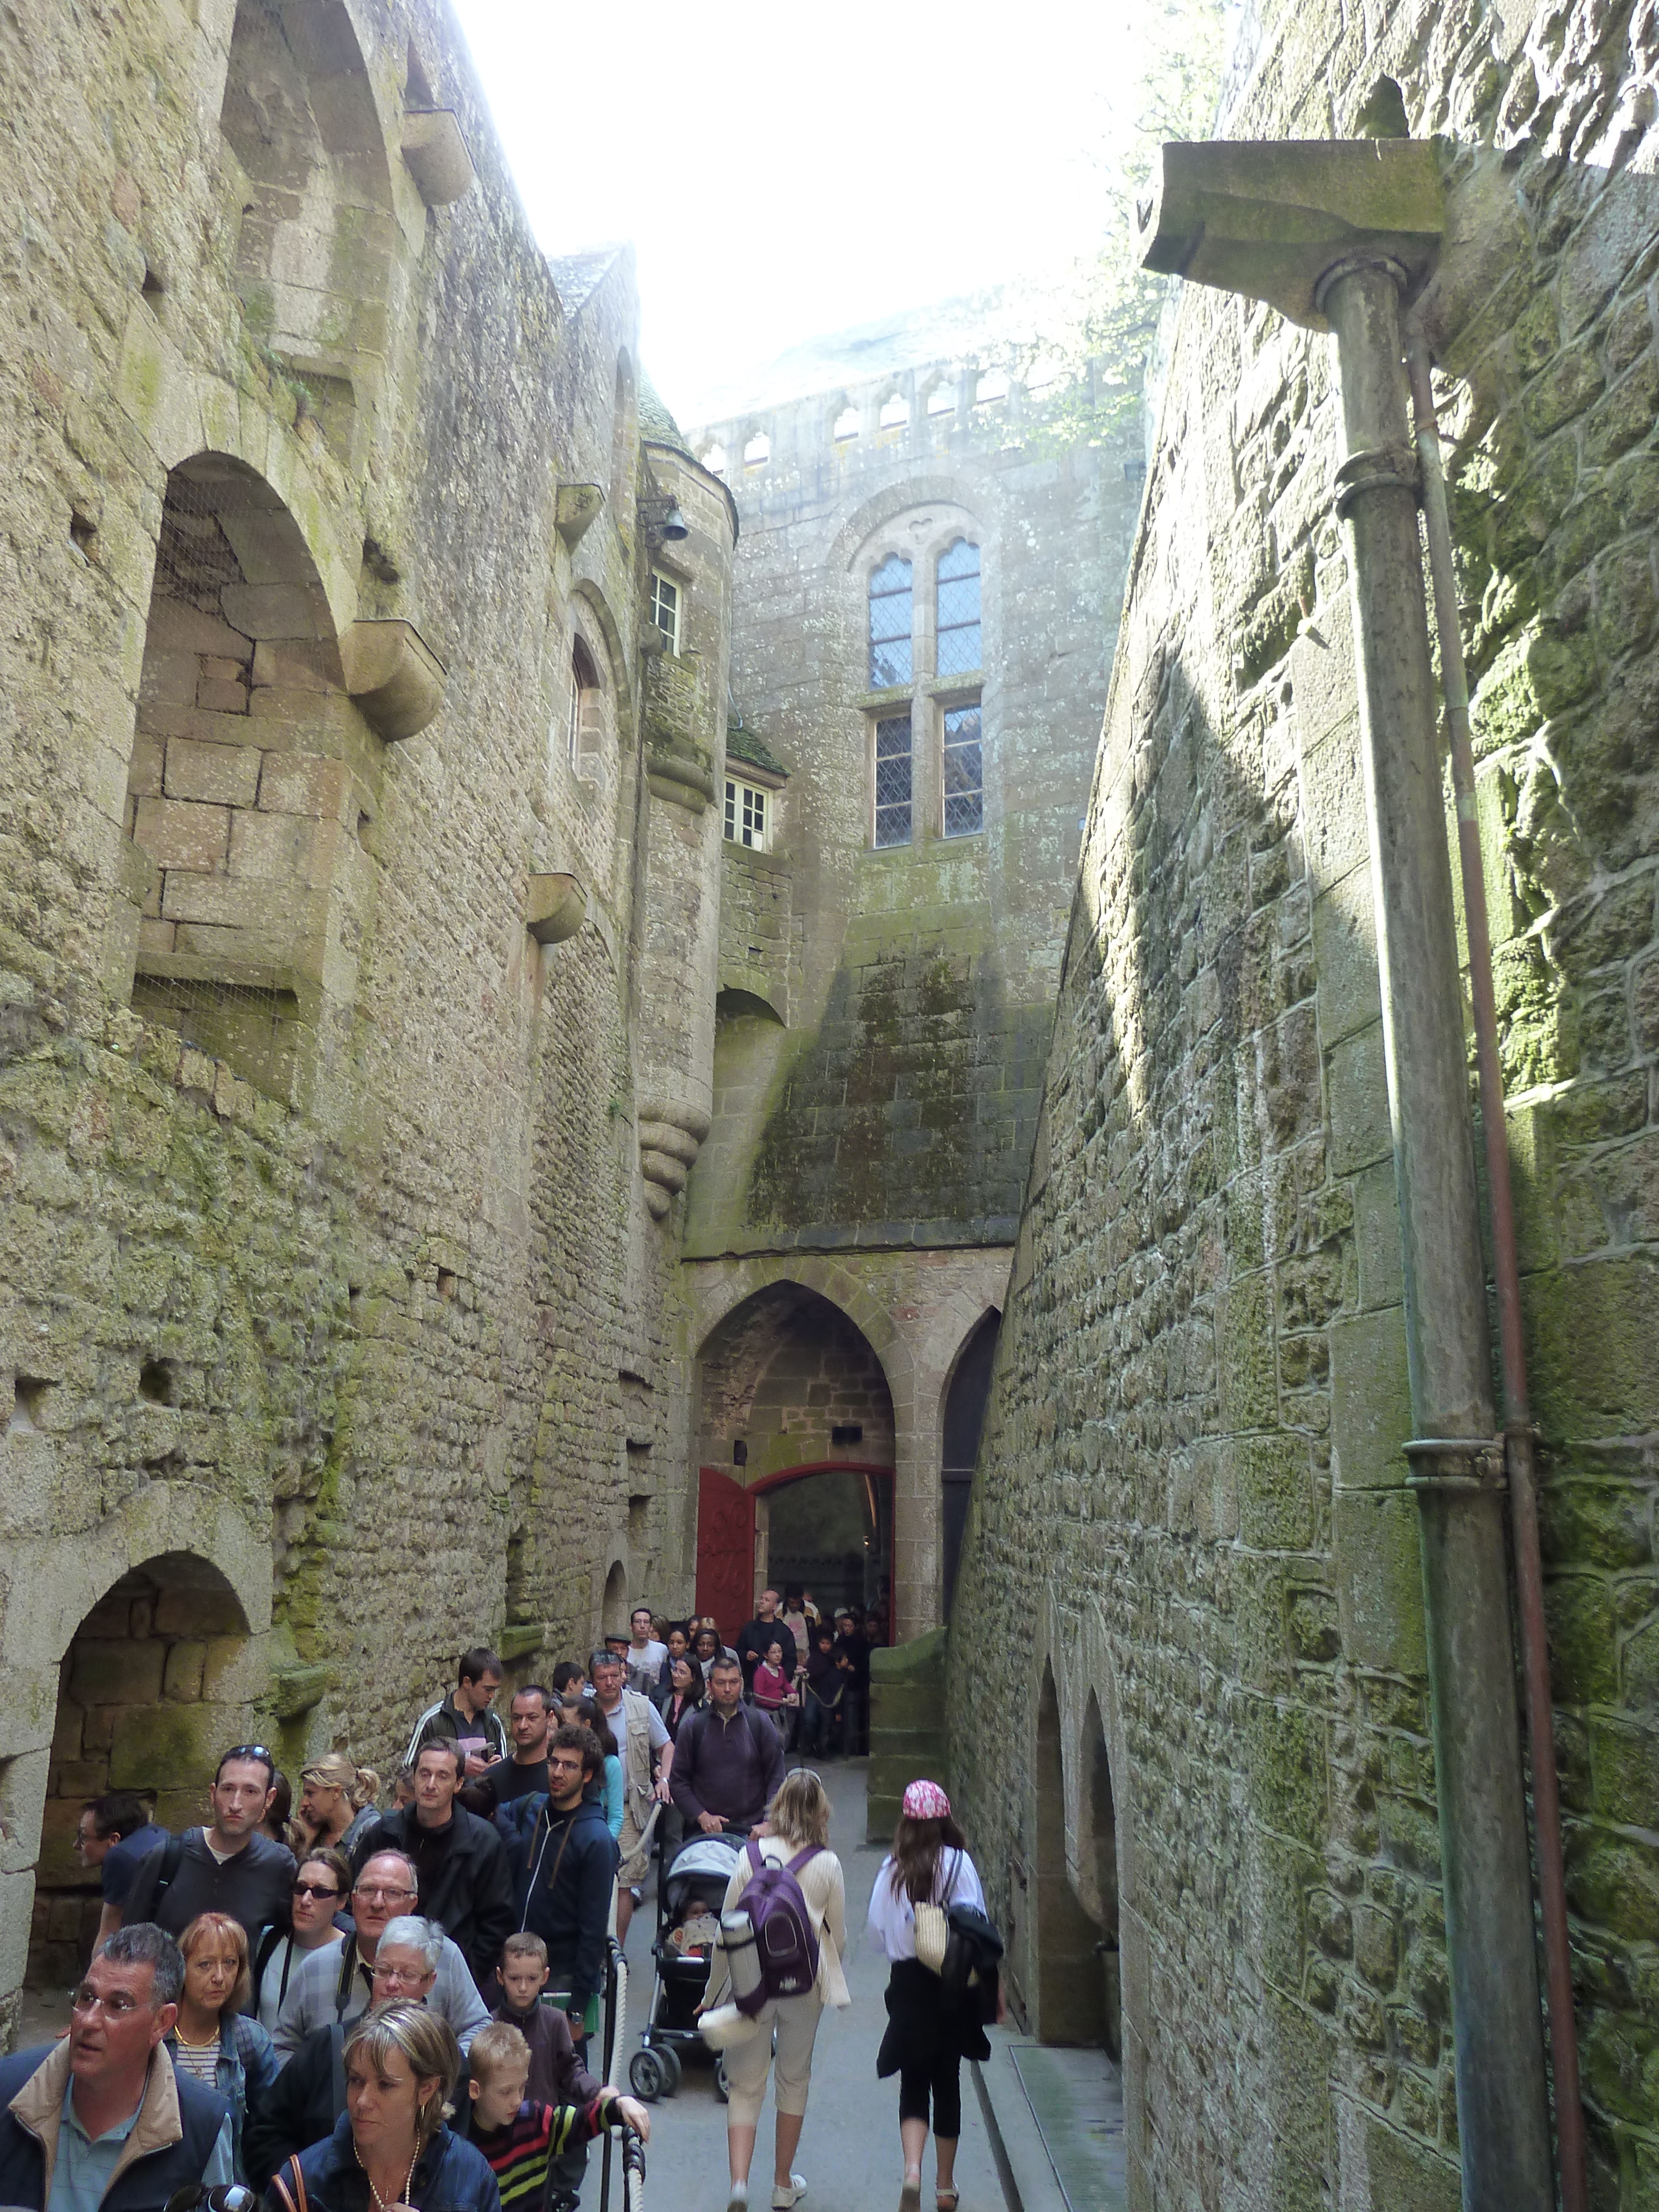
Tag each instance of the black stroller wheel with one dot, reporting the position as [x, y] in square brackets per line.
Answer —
[671, 2059]
[648, 2073]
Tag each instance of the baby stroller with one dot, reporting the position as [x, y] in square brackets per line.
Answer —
[690, 1892]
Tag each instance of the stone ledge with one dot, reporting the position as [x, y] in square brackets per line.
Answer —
[296, 1690]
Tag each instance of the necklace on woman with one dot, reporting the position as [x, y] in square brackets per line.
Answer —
[189, 2043]
[383, 2203]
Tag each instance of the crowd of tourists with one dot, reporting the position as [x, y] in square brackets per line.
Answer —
[343, 2007]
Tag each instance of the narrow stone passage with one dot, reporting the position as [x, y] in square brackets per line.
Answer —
[849, 2150]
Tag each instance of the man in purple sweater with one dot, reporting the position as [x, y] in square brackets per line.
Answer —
[728, 1758]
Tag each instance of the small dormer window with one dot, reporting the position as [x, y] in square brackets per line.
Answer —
[748, 814]
[665, 607]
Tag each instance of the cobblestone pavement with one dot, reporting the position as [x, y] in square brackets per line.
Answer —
[849, 2150]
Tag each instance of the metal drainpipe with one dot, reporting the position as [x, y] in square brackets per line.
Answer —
[1502, 2101]
[1506, 1276]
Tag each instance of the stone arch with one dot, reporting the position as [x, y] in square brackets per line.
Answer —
[316, 254]
[252, 785]
[1097, 1868]
[962, 1413]
[790, 1379]
[608, 643]
[1067, 1988]
[972, 490]
[613, 1606]
[216, 1575]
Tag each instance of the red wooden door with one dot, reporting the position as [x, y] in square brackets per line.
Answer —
[726, 1549]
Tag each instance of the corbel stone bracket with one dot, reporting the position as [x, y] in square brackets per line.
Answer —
[682, 783]
[1271, 218]
[436, 152]
[577, 506]
[393, 675]
[670, 1137]
[556, 907]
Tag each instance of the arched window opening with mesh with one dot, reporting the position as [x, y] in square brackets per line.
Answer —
[958, 609]
[889, 625]
[894, 767]
[964, 773]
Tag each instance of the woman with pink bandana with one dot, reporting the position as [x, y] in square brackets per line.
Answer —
[925, 2042]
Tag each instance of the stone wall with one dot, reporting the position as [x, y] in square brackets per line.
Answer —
[884, 1011]
[326, 1266]
[1190, 1501]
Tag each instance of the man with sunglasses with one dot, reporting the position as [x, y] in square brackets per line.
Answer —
[101, 2119]
[337, 1983]
[229, 1866]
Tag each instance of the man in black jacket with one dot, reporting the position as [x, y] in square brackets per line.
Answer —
[767, 1628]
[564, 1870]
[728, 1758]
[465, 1882]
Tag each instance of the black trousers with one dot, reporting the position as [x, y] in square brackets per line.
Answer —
[944, 2078]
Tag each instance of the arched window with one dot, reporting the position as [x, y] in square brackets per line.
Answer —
[586, 729]
[758, 452]
[895, 412]
[959, 609]
[942, 399]
[846, 425]
[991, 387]
[890, 623]
[713, 460]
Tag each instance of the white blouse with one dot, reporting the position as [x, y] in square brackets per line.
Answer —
[892, 1917]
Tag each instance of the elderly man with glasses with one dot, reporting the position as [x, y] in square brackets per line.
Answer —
[99, 2122]
[337, 1981]
[228, 1867]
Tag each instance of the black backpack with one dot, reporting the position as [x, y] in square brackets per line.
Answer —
[973, 1954]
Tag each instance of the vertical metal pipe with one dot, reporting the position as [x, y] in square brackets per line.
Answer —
[1497, 2022]
[1506, 1276]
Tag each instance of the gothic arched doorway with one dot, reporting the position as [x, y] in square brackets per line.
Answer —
[964, 1416]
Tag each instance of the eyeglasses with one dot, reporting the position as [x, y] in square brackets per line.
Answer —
[370, 1891]
[116, 2006]
[317, 1889]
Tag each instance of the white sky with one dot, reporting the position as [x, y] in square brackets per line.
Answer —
[786, 171]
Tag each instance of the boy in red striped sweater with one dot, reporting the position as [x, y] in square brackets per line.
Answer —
[519, 2140]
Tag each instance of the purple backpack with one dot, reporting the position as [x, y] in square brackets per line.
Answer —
[786, 1950]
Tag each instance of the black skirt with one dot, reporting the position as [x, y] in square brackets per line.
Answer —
[921, 2027]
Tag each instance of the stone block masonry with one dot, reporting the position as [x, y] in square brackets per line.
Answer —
[336, 1323]
[1190, 1504]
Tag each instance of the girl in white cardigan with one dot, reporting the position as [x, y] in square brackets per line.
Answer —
[798, 1816]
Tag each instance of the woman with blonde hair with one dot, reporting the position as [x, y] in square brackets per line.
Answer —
[797, 1822]
[338, 1801]
[212, 2039]
[391, 2147]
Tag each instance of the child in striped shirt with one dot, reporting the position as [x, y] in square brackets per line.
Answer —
[520, 2140]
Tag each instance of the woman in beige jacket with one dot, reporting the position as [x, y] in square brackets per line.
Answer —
[798, 1816]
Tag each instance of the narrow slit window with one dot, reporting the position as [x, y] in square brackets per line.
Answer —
[665, 608]
[894, 766]
[890, 623]
[964, 773]
[745, 815]
[958, 609]
[587, 734]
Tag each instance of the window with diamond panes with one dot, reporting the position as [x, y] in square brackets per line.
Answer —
[889, 625]
[745, 815]
[893, 780]
[665, 608]
[964, 773]
[958, 609]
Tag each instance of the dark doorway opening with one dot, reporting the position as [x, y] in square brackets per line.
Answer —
[964, 1417]
[1070, 1989]
[831, 1532]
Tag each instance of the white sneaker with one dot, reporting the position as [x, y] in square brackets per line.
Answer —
[785, 2195]
[737, 2197]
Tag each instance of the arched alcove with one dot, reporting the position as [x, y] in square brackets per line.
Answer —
[316, 254]
[1098, 1860]
[965, 1398]
[1068, 1999]
[252, 782]
[146, 1700]
[613, 1610]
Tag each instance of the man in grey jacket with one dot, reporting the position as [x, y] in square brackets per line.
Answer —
[337, 1983]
